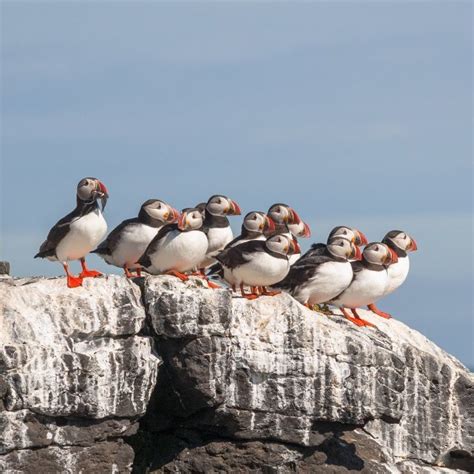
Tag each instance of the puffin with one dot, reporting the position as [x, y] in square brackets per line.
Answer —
[177, 248]
[401, 243]
[254, 225]
[216, 226]
[79, 232]
[287, 221]
[370, 277]
[318, 277]
[258, 263]
[129, 240]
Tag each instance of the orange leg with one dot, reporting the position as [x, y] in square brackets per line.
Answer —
[265, 292]
[308, 305]
[179, 275]
[356, 319]
[234, 289]
[86, 272]
[139, 272]
[72, 281]
[128, 274]
[377, 311]
[249, 296]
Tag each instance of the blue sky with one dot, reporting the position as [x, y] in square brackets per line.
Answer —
[353, 113]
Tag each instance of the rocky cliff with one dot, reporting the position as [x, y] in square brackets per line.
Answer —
[163, 376]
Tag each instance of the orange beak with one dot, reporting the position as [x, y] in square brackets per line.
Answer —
[173, 215]
[294, 217]
[294, 246]
[413, 247]
[393, 256]
[182, 221]
[362, 238]
[235, 208]
[269, 224]
[306, 230]
[357, 254]
[105, 194]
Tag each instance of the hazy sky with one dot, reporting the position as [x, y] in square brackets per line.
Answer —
[353, 113]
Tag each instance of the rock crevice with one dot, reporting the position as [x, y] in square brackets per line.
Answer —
[160, 375]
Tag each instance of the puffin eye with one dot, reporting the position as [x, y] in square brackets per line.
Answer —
[255, 217]
[219, 201]
[376, 248]
[344, 232]
[341, 244]
[159, 206]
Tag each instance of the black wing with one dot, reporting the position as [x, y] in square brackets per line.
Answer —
[55, 235]
[304, 269]
[144, 260]
[108, 246]
[240, 254]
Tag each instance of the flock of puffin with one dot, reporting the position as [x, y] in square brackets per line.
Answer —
[199, 241]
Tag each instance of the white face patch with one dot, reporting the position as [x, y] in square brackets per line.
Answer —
[376, 253]
[218, 206]
[157, 213]
[341, 248]
[86, 188]
[255, 222]
[279, 213]
[279, 244]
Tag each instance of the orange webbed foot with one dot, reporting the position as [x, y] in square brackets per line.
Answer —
[89, 274]
[378, 312]
[74, 282]
[179, 275]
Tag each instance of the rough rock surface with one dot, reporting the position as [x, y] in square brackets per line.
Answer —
[75, 374]
[245, 386]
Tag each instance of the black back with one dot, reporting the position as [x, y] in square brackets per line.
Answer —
[108, 246]
[62, 227]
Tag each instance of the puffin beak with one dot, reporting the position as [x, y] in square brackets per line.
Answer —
[393, 258]
[173, 215]
[294, 246]
[306, 230]
[356, 254]
[295, 218]
[104, 194]
[269, 224]
[182, 221]
[362, 238]
[413, 247]
[234, 208]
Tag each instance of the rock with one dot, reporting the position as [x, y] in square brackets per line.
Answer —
[75, 373]
[244, 386]
[4, 268]
[273, 371]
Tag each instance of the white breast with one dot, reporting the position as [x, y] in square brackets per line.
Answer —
[397, 274]
[84, 235]
[331, 279]
[218, 238]
[262, 270]
[294, 258]
[133, 242]
[366, 288]
[180, 251]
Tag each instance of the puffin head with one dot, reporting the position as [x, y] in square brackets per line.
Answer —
[202, 208]
[219, 205]
[160, 211]
[349, 233]
[401, 240]
[282, 244]
[283, 214]
[91, 189]
[379, 253]
[259, 222]
[343, 248]
[190, 219]
[300, 230]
